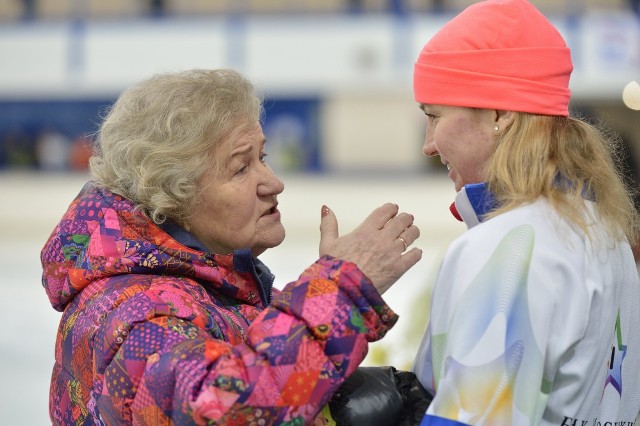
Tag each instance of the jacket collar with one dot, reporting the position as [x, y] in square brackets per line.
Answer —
[243, 259]
[472, 203]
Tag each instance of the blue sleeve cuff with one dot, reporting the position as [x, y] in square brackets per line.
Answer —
[429, 420]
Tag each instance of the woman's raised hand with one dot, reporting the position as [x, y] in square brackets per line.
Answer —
[378, 245]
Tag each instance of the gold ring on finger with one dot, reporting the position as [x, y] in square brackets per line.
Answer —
[404, 243]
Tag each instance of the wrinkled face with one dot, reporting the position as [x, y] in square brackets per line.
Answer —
[464, 139]
[237, 205]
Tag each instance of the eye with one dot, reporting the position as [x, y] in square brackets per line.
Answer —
[263, 157]
[242, 170]
[430, 116]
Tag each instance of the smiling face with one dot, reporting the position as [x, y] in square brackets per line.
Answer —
[237, 204]
[464, 138]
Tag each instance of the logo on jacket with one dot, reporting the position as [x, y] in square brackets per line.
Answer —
[618, 352]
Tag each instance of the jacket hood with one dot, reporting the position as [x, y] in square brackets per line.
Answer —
[103, 235]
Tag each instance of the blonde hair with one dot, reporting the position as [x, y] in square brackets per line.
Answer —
[155, 142]
[567, 161]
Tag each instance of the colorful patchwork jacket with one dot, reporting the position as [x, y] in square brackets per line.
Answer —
[156, 330]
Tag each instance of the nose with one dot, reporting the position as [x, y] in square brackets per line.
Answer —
[270, 184]
[429, 147]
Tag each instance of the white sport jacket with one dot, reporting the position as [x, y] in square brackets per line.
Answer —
[532, 323]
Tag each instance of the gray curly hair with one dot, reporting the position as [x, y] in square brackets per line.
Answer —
[155, 142]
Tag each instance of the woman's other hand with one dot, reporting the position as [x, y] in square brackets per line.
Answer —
[378, 245]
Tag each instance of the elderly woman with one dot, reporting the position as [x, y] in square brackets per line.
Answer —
[169, 317]
[534, 315]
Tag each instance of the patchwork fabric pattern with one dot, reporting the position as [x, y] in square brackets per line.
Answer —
[155, 332]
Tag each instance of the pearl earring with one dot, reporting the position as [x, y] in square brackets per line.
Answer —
[497, 128]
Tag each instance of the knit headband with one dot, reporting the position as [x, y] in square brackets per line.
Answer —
[498, 54]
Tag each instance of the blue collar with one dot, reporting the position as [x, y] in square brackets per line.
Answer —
[182, 236]
[473, 202]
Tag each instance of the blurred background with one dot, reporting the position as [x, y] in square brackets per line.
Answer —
[342, 127]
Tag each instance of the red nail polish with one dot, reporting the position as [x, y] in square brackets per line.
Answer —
[324, 211]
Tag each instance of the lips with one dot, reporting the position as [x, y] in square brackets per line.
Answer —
[271, 211]
[449, 170]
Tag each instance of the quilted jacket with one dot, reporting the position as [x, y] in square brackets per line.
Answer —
[156, 330]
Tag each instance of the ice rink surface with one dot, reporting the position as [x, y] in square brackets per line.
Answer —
[32, 203]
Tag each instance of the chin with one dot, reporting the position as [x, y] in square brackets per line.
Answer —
[278, 236]
[266, 245]
[459, 185]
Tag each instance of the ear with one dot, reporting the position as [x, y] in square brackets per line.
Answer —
[503, 119]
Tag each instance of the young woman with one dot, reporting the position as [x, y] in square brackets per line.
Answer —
[534, 316]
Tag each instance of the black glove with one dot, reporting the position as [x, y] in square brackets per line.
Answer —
[416, 398]
[380, 396]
